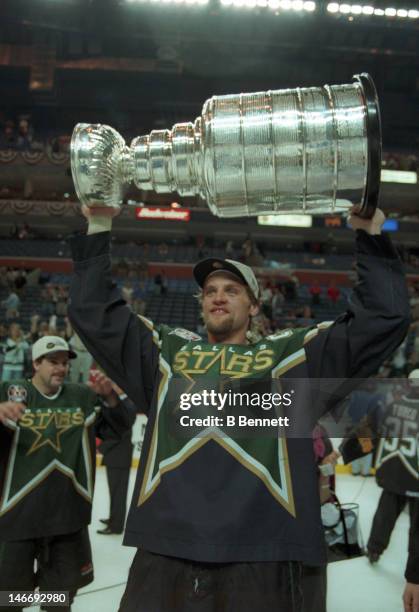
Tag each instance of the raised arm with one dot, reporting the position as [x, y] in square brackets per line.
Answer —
[377, 318]
[116, 415]
[121, 343]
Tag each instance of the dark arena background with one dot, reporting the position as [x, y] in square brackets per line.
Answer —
[143, 65]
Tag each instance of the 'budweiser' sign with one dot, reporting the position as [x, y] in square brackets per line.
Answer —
[163, 212]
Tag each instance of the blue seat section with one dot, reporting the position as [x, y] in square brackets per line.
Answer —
[179, 253]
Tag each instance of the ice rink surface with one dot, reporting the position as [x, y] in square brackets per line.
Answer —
[352, 585]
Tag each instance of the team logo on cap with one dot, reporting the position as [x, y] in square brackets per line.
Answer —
[17, 393]
[58, 343]
[217, 264]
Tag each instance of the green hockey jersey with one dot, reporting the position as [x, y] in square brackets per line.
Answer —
[47, 459]
[397, 457]
[226, 498]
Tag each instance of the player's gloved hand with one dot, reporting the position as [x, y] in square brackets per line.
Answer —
[11, 410]
[411, 598]
[371, 226]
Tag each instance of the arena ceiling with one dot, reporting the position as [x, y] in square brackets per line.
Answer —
[146, 65]
[140, 66]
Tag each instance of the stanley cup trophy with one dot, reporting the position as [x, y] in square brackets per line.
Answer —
[306, 150]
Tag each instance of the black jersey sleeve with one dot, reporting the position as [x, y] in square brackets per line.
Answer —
[375, 323]
[120, 342]
[113, 422]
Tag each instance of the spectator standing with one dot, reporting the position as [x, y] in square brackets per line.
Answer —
[157, 284]
[20, 281]
[333, 293]
[164, 284]
[117, 457]
[48, 300]
[15, 348]
[315, 292]
[39, 328]
[12, 305]
[277, 304]
[80, 367]
[160, 284]
[61, 303]
[291, 287]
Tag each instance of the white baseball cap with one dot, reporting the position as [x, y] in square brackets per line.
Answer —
[209, 266]
[51, 344]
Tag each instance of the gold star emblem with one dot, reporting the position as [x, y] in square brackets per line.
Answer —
[48, 432]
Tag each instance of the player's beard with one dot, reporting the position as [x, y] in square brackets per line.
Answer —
[220, 329]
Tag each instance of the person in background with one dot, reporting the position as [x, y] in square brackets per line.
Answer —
[314, 577]
[80, 368]
[15, 348]
[12, 305]
[117, 457]
[363, 404]
[38, 328]
[397, 469]
[315, 292]
[47, 472]
[333, 293]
